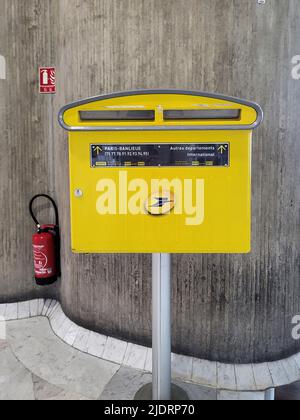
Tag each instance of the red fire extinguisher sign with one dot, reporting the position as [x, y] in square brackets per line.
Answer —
[47, 79]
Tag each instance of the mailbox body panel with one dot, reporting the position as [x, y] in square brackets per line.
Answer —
[224, 197]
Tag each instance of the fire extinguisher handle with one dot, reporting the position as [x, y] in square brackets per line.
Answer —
[54, 206]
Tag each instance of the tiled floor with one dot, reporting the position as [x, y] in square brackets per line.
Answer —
[252, 378]
[36, 365]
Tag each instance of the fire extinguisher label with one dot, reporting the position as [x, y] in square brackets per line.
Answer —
[40, 260]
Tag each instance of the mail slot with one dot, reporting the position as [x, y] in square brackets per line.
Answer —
[160, 171]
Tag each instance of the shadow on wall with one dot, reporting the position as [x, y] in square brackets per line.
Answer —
[2, 68]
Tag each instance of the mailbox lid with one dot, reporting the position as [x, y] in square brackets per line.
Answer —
[160, 110]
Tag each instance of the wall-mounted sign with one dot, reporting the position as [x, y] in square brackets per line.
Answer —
[47, 80]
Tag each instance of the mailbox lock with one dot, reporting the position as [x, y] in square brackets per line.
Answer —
[78, 193]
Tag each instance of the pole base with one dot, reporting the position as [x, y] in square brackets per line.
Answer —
[145, 393]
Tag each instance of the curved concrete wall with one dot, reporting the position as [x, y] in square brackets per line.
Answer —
[225, 307]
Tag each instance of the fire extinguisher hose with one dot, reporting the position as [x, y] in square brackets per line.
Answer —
[54, 206]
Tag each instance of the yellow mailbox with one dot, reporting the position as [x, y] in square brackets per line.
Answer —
[160, 171]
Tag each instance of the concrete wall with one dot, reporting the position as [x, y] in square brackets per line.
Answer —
[225, 307]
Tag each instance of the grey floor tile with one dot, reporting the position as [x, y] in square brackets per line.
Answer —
[17, 387]
[197, 392]
[69, 396]
[124, 384]
[44, 391]
[15, 381]
[35, 364]
[47, 357]
[127, 381]
[240, 396]
[3, 344]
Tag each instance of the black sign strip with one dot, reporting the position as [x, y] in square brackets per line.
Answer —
[160, 155]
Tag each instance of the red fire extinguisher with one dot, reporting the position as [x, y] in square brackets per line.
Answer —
[46, 247]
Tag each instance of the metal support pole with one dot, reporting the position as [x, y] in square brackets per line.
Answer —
[161, 326]
[161, 387]
[270, 394]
